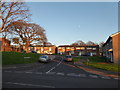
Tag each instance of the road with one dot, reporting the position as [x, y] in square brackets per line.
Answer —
[56, 74]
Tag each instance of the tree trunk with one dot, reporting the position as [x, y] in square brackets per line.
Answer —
[26, 48]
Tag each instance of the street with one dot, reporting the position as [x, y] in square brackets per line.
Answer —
[56, 74]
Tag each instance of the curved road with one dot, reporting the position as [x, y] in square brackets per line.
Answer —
[56, 74]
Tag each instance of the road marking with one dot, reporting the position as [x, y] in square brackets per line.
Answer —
[51, 73]
[116, 78]
[105, 77]
[38, 73]
[59, 73]
[93, 76]
[82, 75]
[18, 72]
[50, 70]
[55, 66]
[8, 67]
[7, 71]
[23, 84]
[73, 74]
[28, 72]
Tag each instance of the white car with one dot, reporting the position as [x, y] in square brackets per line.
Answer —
[44, 58]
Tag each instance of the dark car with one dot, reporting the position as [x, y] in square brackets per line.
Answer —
[68, 58]
[33, 52]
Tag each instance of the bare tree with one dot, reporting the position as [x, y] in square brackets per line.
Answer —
[90, 43]
[79, 42]
[12, 11]
[27, 32]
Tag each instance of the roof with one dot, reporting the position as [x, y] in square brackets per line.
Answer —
[115, 34]
[76, 45]
[1, 39]
[110, 37]
[42, 46]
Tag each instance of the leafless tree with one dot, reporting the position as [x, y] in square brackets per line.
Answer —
[27, 32]
[79, 42]
[90, 43]
[12, 11]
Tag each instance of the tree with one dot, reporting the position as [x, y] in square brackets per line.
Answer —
[100, 47]
[79, 42]
[101, 44]
[27, 32]
[90, 43]
[15, 40]
[12, 11]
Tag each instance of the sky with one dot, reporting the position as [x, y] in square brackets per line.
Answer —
[68, 22]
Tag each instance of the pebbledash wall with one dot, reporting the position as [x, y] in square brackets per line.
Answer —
[111, 48]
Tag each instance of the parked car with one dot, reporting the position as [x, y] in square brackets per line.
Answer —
[68, 58]
[33, 52]
[44, 58]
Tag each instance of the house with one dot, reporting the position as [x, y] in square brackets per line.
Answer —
[111, 48]
[5, 45]
[47, 49]
[81, 50]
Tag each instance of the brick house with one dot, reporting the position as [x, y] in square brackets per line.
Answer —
[89, 50]
[5, 45]
[48, 49]
[111, 48]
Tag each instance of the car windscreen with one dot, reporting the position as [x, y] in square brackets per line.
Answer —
[44, 56]
[68, 56]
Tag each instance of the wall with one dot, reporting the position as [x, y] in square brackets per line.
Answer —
[116, 48]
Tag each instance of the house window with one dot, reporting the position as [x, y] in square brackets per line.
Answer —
[94, 48]
[77, 47]
[89, 48]
[82, 48]
[50, 49]
[94, 53]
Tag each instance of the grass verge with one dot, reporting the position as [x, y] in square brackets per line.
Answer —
[18, 58]
[76, 59]
[99, 62]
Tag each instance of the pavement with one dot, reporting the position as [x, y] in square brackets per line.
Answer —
[93, 70]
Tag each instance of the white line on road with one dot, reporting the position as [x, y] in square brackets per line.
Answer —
[73, 74]
[82, 75]
[59, 73]
[23, 84]
[7, 71]
[8, 67]
[28, 72]
[105, 77]
[51, 73]
[38, 73]
[55, 66]
[116, 78]
[18, 72]
[93, 76]
[50, 70]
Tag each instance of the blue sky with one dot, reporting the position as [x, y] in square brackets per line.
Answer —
[67, 22]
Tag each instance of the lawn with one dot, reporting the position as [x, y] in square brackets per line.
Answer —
[18, 58]
[99, 62]
[75, 59]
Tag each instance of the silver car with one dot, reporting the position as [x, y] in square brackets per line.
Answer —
[44, 58]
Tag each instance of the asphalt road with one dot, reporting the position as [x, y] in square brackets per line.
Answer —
[56, 74]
